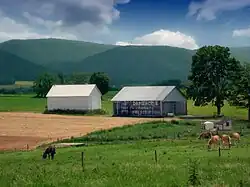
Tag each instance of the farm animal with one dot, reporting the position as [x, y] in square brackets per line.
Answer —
[207, 134]
[50, 152]
[235, 136]
[226, 140]
[213, 140]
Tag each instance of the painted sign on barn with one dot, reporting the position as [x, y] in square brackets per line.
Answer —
[139, 108]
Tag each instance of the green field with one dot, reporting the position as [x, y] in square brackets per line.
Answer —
[28, 103]
[132, 163]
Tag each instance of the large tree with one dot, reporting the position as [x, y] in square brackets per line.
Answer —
[212, 72]
[101, 80]
[43, 84]
[240, 91]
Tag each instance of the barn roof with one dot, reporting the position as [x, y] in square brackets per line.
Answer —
[143, 93]
[74, 90]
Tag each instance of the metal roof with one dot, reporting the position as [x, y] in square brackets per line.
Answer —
[143, 93]
[75, 90]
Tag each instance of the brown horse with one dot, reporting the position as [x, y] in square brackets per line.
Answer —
[50, 152]
[214, 140]
[208, 134]
[235, 136]
[226, 140]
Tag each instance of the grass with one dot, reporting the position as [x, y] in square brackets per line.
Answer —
[143, 131]
[131, 163]
[28, 103]
[184, 129]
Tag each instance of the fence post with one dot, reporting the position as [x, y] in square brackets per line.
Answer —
[156, 160]
[82, 161]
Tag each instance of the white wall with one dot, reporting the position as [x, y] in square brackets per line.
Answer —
[96, 102]
[175, 95]
[70, 103]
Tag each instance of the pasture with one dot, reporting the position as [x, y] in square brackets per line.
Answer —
[128, 159]
[27, 103]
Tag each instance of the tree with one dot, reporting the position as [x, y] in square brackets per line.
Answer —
[78, 78]
[212, 71]
[240, 91]
[101, 80]
[43, 84]
[61, 78]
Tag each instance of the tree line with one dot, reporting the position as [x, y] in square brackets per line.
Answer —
[45, 81]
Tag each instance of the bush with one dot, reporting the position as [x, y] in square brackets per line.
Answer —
[174, 122]
[76, 112]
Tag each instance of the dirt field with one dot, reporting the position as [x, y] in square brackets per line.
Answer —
[21, 130]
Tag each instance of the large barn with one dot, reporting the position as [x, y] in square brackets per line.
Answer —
[74, 97]
[149, 101]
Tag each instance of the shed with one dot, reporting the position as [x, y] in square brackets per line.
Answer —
[149, 101]
[208, 125]
[74, 97]
[224, 125]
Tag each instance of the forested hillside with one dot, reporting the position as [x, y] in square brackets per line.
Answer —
[125, 65]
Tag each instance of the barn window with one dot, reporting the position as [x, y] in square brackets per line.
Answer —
[227, 123]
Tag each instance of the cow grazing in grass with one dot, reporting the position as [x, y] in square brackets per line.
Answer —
[214, 140]
[50, 152]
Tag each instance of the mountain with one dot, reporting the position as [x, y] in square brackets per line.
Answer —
[139, 64]
[241, 53]
[14, 67]
[124, 64]
[53, 51]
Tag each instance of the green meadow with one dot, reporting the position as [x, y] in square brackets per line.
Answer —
[31, 104]
[133, 156]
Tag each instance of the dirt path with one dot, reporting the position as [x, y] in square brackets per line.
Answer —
[17, 130]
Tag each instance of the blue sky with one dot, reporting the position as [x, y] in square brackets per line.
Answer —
[180, 23]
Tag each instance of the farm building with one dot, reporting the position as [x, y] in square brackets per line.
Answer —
[149, 101]
[74, 97]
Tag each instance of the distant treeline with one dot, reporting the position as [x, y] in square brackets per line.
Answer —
[74, 78]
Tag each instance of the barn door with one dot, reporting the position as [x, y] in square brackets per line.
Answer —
[173, 107]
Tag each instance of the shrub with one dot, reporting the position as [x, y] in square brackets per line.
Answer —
[193, 174]
[174, 122]
[76, 112]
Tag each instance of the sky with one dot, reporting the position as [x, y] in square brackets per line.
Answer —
[179, 23]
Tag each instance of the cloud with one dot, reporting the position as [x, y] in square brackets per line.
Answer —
[162, 38]
[209, 9]
[242, 32]
[80, 19]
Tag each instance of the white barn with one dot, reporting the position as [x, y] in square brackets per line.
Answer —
[74, 97]
[151, 101]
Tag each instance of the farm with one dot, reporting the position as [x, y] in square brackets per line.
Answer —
[131, 152]
[125, 156]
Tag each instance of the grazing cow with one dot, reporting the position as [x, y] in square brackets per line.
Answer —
[226, 140]
[235, 136]
[213, 140]
[50, 152]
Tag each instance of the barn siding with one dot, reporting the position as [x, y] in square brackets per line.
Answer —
[175, 95]
[96, 102]
[180, 108]
[69, 103]
[137, 108]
